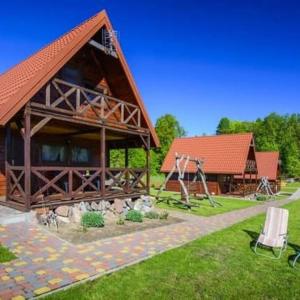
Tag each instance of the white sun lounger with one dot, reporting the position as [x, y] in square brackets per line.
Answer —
[274, 234]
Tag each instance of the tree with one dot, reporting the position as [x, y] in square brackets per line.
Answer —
[167, 128]
[273, 133]
[224, 126]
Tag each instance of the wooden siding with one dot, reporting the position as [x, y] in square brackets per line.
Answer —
[2, 164]
[213, 187]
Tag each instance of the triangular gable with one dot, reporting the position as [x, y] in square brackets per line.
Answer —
[19, 84]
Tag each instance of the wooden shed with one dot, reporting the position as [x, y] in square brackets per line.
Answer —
[62, 110]
[224, 156]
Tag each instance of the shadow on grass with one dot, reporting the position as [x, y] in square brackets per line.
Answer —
[176, 203]
[254, 236]
[291, 258]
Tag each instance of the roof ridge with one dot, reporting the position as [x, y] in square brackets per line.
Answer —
[20, 82]
[51, 42]
[215, 135]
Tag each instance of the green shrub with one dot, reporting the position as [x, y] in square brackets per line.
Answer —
[134, 216]
[121, 221]
[92, 219]
[164, 215]
[151, 215]
[261, 197]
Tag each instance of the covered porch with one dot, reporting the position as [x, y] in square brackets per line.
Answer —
[246, 183]
[59, 152]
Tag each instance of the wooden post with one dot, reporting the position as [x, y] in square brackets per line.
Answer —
[126, 172]
[7, 157]
[103, 160]
[230, 184]
[70, 183]
[244, 185]
[27, 158]
[8, 143]
[148, 163]
[250, 180]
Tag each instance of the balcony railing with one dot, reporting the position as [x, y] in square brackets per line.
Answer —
[61, 97]
[250, 166]
[55, 183]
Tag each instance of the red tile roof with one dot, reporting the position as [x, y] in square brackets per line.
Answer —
[21, 82]
[267, 164]
[222, 154]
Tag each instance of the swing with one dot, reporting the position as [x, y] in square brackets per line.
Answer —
[176, 168]
[265, 187]
[185, 193]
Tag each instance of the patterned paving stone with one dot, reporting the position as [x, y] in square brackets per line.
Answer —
[46, 263]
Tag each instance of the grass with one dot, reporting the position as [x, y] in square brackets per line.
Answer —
[6, 255]
[203, 206]
[218, 266]
[291, 187]
[280, 197]
[157, 180]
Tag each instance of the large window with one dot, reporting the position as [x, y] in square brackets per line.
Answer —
[80, 155]
[53, 153]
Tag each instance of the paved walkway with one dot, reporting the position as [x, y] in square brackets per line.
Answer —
[46, 263]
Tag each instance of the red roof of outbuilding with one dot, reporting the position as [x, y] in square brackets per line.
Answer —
[21, 82]
[222, 154]
[267, 164]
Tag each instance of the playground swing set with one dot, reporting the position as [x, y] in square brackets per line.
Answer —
[264, 187]
[180, 166]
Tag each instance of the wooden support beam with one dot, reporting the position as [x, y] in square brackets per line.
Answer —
[141, 132]
[102, 48]
[144, 139]
[48, 94]
[39, 126]
[148, 162]
[103, 160]
[7, 156]
[8, 137]
[27, 158]
[244, 187]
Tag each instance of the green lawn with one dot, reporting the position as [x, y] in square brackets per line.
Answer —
[281, 196]
[5, 255]
[218, 266]
[291, 187]
[157, 180]
[203, 206]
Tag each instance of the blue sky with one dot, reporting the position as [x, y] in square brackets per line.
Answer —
[199, 60]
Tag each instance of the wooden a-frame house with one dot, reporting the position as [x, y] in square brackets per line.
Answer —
[225, 157]
[62, 110]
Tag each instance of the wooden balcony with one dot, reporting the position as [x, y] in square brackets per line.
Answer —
[251, 166]
[63, 100]
[63, 185]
